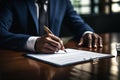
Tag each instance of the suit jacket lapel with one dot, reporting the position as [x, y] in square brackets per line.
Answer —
[33, 12]
[52, 11]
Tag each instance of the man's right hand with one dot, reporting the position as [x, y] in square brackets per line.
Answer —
[49, 43]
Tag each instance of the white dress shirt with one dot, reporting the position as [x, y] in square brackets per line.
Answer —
[30, 44]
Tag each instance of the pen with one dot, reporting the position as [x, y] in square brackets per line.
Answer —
[49, 31]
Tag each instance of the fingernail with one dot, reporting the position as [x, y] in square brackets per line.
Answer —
[95, 46]
[101, 45]
[90, 46]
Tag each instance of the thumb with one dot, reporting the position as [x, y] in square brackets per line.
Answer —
[80, 42]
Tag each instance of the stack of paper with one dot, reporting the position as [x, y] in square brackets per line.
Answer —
[72, 56]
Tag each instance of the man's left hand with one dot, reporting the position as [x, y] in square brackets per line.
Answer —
[91, 40]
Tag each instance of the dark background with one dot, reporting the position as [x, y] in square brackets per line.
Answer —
[103, 23]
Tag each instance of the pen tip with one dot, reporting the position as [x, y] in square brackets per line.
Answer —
[65, 51]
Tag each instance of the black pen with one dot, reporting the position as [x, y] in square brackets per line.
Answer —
[49, 31]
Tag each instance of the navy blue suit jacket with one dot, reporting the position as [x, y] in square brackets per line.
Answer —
[16, 16]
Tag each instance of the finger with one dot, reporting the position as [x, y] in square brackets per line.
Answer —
[58, 40]
[100, 42]
[81, 42]
[62, 45]
[54, 37]
[50, 47]
[95, 41]
[46, 50]
[53, 43]
[90, 40]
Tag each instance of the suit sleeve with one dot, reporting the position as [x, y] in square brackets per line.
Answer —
[75, 21]
[8, 39]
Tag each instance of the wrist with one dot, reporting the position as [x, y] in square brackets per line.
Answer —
[35, 46]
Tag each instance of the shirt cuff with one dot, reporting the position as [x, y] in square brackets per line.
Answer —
[87, 32]
[31, 43]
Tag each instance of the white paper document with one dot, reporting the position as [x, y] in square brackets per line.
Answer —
[72, 56]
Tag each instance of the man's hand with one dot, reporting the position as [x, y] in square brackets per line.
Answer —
[91, 40]
[49, 43]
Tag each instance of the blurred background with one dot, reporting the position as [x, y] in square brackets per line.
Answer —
[102, 15]
[87, 7]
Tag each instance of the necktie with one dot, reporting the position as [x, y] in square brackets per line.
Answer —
[42, 16]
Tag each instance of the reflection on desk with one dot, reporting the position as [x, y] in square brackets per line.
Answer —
[14, 66]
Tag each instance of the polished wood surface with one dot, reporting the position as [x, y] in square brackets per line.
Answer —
[15, 66]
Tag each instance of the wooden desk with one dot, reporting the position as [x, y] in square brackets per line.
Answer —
[14, 66]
